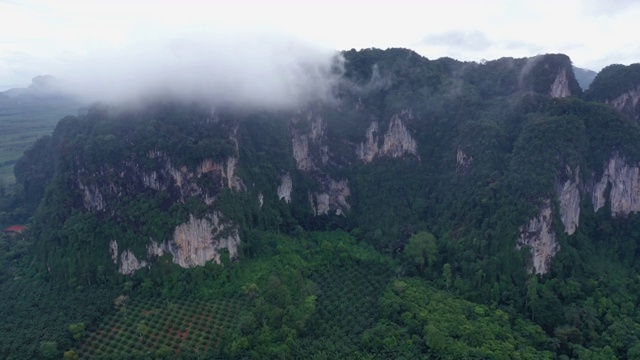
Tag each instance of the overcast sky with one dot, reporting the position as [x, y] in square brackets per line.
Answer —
[43, 36]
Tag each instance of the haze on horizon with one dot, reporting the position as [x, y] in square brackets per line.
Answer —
[282, 53]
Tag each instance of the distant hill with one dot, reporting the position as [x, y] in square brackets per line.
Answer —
[584, 76]
[27, 114]
[42, 86]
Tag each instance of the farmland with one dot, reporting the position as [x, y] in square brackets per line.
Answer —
[162, 327]
[23, 120]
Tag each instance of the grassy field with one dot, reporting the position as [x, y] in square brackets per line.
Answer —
[154, 326]
[22, 122]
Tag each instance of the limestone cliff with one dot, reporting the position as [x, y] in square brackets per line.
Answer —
[193, 244]
[130, 176]
[301, 141]
[624, 181]
[198, 241]
[333, 198]
[129, 263]
[368, 150]
[463, 161]
[541, 240]
[397, 140]
[126, 261]
[627, 103]
[568, 193]
[284, 190]
[91, 197]
[301, 152]
[560, 86]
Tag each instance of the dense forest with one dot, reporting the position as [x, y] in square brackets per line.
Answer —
[435, 209]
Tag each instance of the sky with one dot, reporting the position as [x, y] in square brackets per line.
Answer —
[67, 38]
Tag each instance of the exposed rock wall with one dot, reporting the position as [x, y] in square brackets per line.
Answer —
[200, 240]
[628, 103]
[541, 240]
[113, 250]
[333, 198]
[560, 86]
[397, 141]
[91, 197]
[301, 141]
[301, 152]
[129, 263]
[624, 181]
[368, 150]
[193, 244]
[130, 177]
[569, 198]
[285, 188]
[463, 161]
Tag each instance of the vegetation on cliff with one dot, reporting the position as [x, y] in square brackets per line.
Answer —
[409, 252]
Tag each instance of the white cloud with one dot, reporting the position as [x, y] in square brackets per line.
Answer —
[265, 71]
[592, 32]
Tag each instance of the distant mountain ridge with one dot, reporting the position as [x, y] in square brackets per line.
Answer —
[42, 86]
[584, 76]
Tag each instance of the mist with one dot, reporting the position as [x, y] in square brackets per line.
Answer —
[235, 70]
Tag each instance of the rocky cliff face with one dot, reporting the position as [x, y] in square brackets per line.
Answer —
[541, 240]
[397, 141]
[569, 198]
[334, 198]
[368, 150]
[166, 177]
[193, 244]
[463, 161]
[627, 103]
[200, 240]
[284, 190]
[619, 184]
[560, 86]
[624, 181]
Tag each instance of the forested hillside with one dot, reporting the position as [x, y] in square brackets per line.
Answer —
[431, 209]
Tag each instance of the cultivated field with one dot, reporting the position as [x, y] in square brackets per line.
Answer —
[24, 120]
[162, 328]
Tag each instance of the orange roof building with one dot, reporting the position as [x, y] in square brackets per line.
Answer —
[15, 229]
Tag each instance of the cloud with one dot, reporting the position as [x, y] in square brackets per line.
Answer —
[472, 41]
[236, 70]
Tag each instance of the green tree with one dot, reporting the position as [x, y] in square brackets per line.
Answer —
[77, 330]
[70, 355]
[49, 349]
[422, 249]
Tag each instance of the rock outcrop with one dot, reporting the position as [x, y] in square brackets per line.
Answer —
[92, 199]
[569, 198]
[129, 263]
[397, 141]
[368, 150]
[193, 244]
[560, 86]
[301, 141]
[301, 152]
[627, 103]
[200, 240]
[541, 240]
[113, 250]
[333, 198]
[285, 188]
[463, 161]
[624, 181]
[130, 176]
